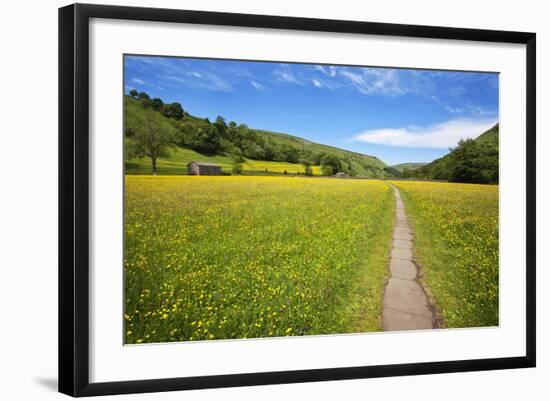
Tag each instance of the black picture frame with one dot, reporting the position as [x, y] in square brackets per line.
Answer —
[74, 198]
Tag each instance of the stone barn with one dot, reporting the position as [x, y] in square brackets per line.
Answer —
[203, 168]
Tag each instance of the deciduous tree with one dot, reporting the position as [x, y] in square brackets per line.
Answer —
[150, 135]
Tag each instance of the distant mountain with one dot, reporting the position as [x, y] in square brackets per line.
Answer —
[473, 160]
[410, 166]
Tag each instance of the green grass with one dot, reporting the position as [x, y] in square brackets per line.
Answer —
[362, 165]
[489, 136]
[176, 164]
[242, 257]
[456, 239]
[277, 167]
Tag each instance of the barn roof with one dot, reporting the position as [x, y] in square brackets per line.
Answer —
[206, 164]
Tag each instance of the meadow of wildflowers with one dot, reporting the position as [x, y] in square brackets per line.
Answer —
[457, 247]
[248, 257]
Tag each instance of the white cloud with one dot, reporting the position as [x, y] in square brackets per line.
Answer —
[479, 111]
[454, 110]
[441, 136]
[257, 85]
[374, 80]
[287, 76]
[328, 71]
[449, 108]
[368, 81]
[154, 61]
[138, 81]
[203, 80]
[320, 68]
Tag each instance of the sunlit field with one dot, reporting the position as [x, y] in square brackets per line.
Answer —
[247, 257]
[456, 228]
[176, 164]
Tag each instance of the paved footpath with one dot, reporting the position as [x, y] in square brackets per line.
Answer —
[405, 305]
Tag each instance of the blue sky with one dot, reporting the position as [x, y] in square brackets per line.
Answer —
[398, 115]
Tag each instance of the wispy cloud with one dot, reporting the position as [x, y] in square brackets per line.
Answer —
[454, 110]
[286, 75]
[257, 86]
[479, 111]
[203, 80]
[329, 71]
[178, 70]
[374, 80]
[440, 136]
[362, 79]
[156, 61]
[138, 81]
[448, 107]
[454, 94]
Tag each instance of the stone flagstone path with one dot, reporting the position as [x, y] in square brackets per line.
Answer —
[405, 305]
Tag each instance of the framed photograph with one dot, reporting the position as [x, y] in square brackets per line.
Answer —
[251, 199]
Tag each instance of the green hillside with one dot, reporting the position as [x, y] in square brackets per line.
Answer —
[363, 164]
[489, 136]
[236, 148]
[176, 164]
[410, 166]
[473, 160]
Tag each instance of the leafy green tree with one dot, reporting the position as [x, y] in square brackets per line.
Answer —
[131, 151]
[291, 154]
[173, 110]
[221, 126]
[252, 150]
[270, 150]
[331, 160]
[473, 162]
[143, 95]
[237, 169]
[147, 103]
[207, 140]
[150, 135]
[133, 93]
[156, 104]
[307, 167]
[327, 169]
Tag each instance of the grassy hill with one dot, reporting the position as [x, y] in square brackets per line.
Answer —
[176, 164]
[364, 164]
[410, 166]
[490, 136]
[256, 151]
[472, 161]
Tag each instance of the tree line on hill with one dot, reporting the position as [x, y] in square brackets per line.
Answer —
[472, 161]
[153, 129]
